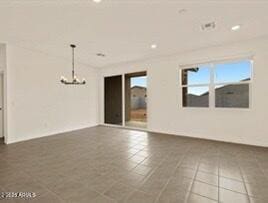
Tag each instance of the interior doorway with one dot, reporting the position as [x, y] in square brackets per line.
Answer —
[136, 100]
[113, 100]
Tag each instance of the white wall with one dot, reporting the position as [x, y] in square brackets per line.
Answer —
[38, 104]
[164, 96]
[2, 56]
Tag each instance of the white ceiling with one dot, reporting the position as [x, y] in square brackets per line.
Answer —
[125, 29]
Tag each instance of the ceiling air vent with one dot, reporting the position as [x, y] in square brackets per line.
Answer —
[208, 26]
[100, 54]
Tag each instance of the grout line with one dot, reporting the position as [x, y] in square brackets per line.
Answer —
[43, 185]
[205, 196]
[152, 171]
[160, 193]
[206, 182]
[234, 191]
[244, 183]
[233, 179]
[194, 179]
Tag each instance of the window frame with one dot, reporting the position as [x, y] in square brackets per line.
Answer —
[212, 84]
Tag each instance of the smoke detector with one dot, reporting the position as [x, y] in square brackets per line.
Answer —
[208, 26]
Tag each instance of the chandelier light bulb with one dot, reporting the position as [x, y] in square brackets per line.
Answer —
[63, 79]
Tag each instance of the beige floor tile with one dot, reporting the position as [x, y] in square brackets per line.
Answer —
[153, 186]
[102, 184]
[103, 199]
[195, 198]
[183, 171]
[119, 191]
[82, 197]
[233, 185]
[207, 178]
[28, 186]
[142, 170]
[208, 168]
[138, 159]
[257, 200]
[258, 190]
[86, 165]
[173, 197]
[133, 179]
[231, 173]
[205, 190]
[176, 183]
[74, 191]
[228, 196]
[140, 197]
[46, 198]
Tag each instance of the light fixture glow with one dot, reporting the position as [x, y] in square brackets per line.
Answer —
[236, 27]
[153, 46]
[97, 1]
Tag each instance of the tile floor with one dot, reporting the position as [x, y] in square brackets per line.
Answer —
[104, 164]
[136, 124]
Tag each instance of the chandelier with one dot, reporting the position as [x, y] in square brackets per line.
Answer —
[75, 80]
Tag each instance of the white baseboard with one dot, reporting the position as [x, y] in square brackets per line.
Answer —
[186, 135]
[189, 135]
[49, 134]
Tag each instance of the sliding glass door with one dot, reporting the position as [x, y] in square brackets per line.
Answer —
[136, 100]
[125, 98]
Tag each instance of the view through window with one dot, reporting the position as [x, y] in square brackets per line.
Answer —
[224, 85]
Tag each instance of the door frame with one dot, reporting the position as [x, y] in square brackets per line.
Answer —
[4, 105]
[123, 102]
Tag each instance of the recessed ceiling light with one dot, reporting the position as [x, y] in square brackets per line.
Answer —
[181, 11]
[97, 1]
[236, 27]
[153, 46]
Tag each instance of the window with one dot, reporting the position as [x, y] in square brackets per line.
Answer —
[195, 86]
[219, 85]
